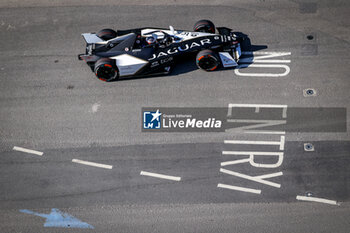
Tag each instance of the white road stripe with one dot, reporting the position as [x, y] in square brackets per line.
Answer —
[95, 107]
[262, 53]
[28, 150]
[285, 67]
[249, 60]
[176, 178]
[316, 199]
[248, 190]
[255, 178]
[252, 142]
[229, 152]
[238, 161]
[92, 164]
[262, 131]
[280, 143]
[257, 106]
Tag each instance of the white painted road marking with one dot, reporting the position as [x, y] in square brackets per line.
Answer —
[285, 67]
[259, 124]
[28, 150]
[95, 107]
[248, 190]
[92, 164]
[316, 199]
[280, 143]
[265, 52]
[251, 61]
[257, 107]
[176, 178]
[254, 154]
[237, 161]
[259, 179]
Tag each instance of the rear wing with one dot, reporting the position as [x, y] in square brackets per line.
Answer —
[91, 38]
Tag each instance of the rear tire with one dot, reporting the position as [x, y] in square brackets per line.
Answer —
[207, 60]
[106, 70]
[204, 25]
[107, 34]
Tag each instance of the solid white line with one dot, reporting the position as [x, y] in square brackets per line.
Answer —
[260, 52]
[249, 61]
[262, 131]
[248, 190]
[28, 150]
[258, 105]
[176, 178]
[92, 164]
[316, 199]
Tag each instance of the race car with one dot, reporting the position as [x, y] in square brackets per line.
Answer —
[152, 51]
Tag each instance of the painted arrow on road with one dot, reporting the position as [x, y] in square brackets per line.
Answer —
[59, 219]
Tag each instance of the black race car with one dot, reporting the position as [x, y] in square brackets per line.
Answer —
[150, 51]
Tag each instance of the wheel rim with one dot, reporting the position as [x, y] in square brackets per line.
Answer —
[207, 62]
[106, 72]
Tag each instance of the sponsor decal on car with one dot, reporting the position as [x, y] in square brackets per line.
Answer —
[181, 48]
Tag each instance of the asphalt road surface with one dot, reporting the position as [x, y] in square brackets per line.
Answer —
[52, 103]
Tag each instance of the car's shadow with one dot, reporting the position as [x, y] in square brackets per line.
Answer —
[187, 63]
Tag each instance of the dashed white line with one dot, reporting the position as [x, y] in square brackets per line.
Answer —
[316, 199]
[248, 190]
[16, 148]
[92, 164]
[176, 178]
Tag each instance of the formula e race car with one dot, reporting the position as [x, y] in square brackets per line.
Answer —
[152, 51]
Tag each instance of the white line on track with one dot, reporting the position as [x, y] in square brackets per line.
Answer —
[92, 164]
[176, 178]
[95, 107]
[263, 53]
[285, 67]
[316, 199]
[16, 148]
[280, 143]
[257, 107]
[256, 191]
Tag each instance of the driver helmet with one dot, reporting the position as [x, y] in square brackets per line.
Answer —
[151, 39]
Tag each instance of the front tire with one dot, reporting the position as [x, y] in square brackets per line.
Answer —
[204, 25]
[207, 60]
[106, 70]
